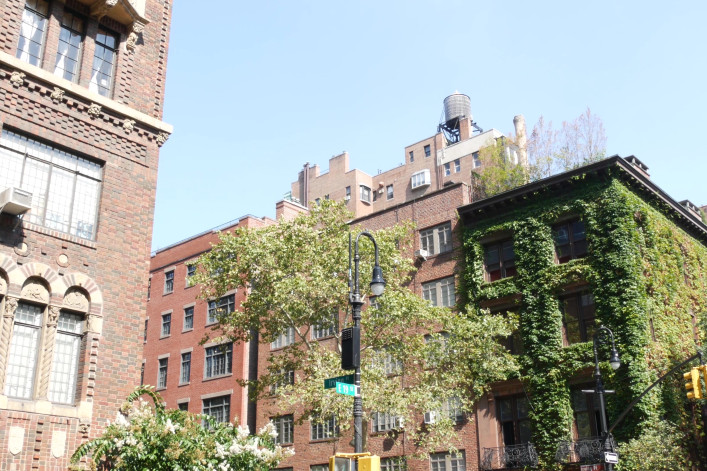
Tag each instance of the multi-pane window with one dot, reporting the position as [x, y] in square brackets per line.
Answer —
[144, 332]
[183, 406]
[185, 373]
[65, 188]
[221, 307]
[319, 467]
[104, 59]
[166, 325]
[348, 193]
[447, 461]
[325, 329]
[162, 373]
[285, 426]
[428, 150]
[395, 463]
[570, 241]
[578, 317]
[218, 360]
[411, 154]
[284, 378]
[440, 292]
[188, 318]
[389, 192]
[476, 159]
[513, 416]
[284, 339]
[499, 260]
[324, 429]
[437, 345]
[586, 412]
[421, 178]
[365, 194]
[191, 270]
[447, 169]
[385, 422]
[457, 166]
[437, 239]
[32, 31]
[67, 347]
[24, 345]
[390, 364]
[217, 407]
[169, 282]
[69, 52]
[452, 408]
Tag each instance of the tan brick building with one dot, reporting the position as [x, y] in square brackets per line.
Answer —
[81, 98]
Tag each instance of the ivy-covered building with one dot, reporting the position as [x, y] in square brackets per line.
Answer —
[599, 245]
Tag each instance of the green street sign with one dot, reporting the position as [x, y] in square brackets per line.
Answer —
[346, 389]
[330, 383]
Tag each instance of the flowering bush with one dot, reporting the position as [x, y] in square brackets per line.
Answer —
[147, 436]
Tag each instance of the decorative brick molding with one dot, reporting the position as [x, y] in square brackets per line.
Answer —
[137, 29]
[57, 95]
[129, 125]
[94, 110]
[17, 79]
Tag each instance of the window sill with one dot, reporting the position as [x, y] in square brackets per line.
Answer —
[167, 293]
[183, 384]
[187, 330]
[208, 324]
[213, 378]
[326, 337]
[161, 388]
[165, 336]
[323, 440]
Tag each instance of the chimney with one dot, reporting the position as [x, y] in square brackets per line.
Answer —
[521, 140]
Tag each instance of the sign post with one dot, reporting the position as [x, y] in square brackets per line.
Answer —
[330, 383]
[348, 389]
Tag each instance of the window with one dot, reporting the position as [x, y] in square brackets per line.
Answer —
[440, 292]
[570, 241]
[183, 406]
[191, 270]
[348, 193]
[428, 151]
[284, 339]
[319, 467]
[285, 426]
[218, 360]
[389, 192]
[217, 407]
[24, 345]
[396, 463]
[451, 409]
[447, 169]
[499, 260]
[365, 194]
[326, 329]
[513, 416]
[221, 307]
[586, 412]
[188, 318]
[457, 166]
[437, 239]
[168, 282]
[437, 348]
[104, 59]
[318, 201]
[390, 364]
[142, 373]
[144, 333]
[284, 378]
[447, 462]
[166, 325]
[577, 317]
[412, 156]
[420, 179]
[149, 287]
[385, 422]
[162, 373]
[67, 347]
[69, 52]
[185, 373]
[477, 160]
[323, 430]
[65, 188]
[34, 26]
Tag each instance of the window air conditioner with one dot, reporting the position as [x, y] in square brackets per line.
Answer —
[431, 417]
[15, 201]
[422, 254]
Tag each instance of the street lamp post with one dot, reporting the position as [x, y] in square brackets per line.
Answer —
[355, 299]
[603, 336]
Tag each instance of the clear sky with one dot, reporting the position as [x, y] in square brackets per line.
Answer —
[256, 89]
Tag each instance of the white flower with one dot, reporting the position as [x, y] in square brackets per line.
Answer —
[242, 432]
[121, 420]
[269, 429]
[172, 428]
[220, 450]
[131, 441]
[118, 443]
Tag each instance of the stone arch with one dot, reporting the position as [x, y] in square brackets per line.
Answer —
[9, 268]
[36, 289]
[3, 282]
[77, 299]
[55, 282]
[87, 284]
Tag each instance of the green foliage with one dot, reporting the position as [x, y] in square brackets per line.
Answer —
[297, 273]
[648, 278]
[659, 448]
[148, 437]
[500, 173]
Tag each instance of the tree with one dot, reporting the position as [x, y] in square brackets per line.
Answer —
[148, 436]
[500, 173]
[297, 275]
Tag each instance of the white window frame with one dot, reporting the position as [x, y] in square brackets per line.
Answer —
[385, 422]
[284, 339]
[448, 461]
[214, 307]
[365, 193]
[185, 368]
[285, 426]
[420, 179]
[323, 430]
[437, 239]
[218, 360]
[437, 292]
[64, 374]
[162, 371]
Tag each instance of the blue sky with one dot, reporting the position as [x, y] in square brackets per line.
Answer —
[256, 89]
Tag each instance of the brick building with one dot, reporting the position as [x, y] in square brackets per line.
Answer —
[81, 98]
[450, 156]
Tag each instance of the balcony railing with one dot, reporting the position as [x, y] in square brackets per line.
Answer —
[586, 450]
[509, 457]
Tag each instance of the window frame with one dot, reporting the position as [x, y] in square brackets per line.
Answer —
[225, 408]
[457, 166]
[389, 192]
[321, 331]
[447, 169]
[506, 266]
[382, 422]
[411, 154]
[325, 430]
[394, 463]
[188, 315]
[214, 306]
[285, 427]
[185, 368]
[577, 247]
[168, 282]
[29, 377]
[476, 159]
[162, 371]
[285, 339]
[437, 287]
[431, 239]
[44, 18]
[166, 325]
[420, 179]
[427, 150]
[93, 84]
[218, 360]
[72, 33]
[365, 193]
[77, 336]
[591, 410]
[516, 419]
[583, 319]
[452, 462]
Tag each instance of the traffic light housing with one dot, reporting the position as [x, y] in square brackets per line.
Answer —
[351, 348]
[354, 462]
[693, 386]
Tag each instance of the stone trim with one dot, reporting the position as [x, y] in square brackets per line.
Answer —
[228, 392]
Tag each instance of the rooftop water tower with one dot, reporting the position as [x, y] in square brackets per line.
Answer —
[457, 107]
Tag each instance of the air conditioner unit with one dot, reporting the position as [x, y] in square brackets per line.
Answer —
[431, 417]
[15, 201]
[420, 179]
[422, 254]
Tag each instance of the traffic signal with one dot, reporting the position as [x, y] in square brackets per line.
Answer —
[693, 386]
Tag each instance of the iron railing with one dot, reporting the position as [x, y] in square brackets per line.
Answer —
[585, 450]
[509, 457]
